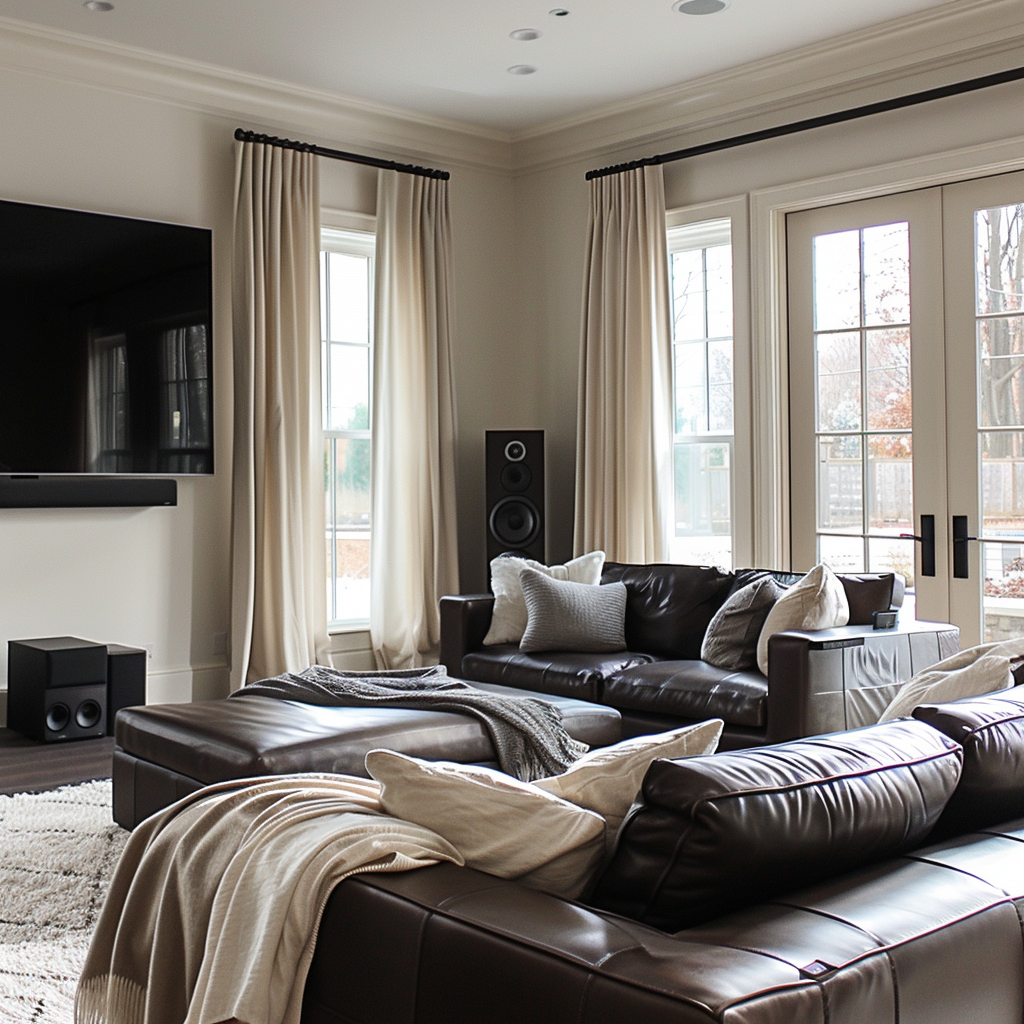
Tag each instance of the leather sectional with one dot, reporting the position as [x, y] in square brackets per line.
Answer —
[792, 884]
[819, 681]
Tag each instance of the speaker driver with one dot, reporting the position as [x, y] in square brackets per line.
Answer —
[515, 451]
[516, 477]
[515, 521]
[57, 717]
[88, 714]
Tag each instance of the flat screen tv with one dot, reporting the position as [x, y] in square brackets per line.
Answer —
[105, 344]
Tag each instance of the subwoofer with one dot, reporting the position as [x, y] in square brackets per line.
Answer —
[126, 680]
[57, 688]
[515, 493]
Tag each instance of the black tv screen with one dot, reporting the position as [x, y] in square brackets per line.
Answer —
[105, 344]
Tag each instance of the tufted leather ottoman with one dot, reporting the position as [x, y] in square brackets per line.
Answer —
[166, 751]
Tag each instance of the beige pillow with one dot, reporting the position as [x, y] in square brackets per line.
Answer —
[508, 620]
[608, 779]
[817, 601]
[500, 825]
[968, 673]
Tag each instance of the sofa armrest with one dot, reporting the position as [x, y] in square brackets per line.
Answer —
[832, 679]
[465, 619]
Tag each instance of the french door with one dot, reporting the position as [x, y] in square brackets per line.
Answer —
[906, 405]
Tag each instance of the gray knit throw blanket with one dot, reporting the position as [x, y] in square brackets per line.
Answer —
[527, 732]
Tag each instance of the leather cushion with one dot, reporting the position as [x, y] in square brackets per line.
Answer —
[712, 834]
[991, 731]
[668, 607]
[571, 674]
[691, 690]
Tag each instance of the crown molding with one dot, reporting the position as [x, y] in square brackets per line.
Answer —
[261, 103]
[874, 63]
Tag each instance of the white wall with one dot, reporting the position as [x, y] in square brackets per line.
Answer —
[154, 578]
[159, 578]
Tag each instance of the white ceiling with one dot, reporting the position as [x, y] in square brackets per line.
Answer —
[449, 58]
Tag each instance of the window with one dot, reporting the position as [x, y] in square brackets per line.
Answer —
[185, 441]
[700, 266]
[346, 324]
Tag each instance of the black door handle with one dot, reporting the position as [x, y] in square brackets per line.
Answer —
[961, 552]
[927, 542]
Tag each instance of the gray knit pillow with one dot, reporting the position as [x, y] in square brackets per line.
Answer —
[733, 632]
[564, 616]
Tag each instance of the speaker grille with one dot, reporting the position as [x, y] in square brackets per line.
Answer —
[88, 714]
[515, 522]
[57, 717]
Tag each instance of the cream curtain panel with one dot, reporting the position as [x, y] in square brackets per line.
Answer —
[624, 417]
[279, 600]
[413, 557]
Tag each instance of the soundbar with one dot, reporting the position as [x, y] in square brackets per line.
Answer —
[86, 491]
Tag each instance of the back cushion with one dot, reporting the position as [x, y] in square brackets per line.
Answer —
[668, 607]
[991, 731]
[709, 835]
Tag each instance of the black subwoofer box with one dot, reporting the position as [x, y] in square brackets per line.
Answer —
[57, 688]
[126, 680]
[515, 493]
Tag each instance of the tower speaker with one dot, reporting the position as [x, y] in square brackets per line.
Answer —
[57, 688]
[126, 680]
[515, 493]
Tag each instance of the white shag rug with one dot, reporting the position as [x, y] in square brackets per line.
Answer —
[57, 853]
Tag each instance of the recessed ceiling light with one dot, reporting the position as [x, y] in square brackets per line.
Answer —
[700, 6]
[558, 12]
[524, 34]
[97, 5]
[521, 69]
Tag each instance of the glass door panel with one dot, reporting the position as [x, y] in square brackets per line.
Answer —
[858, 400]
[985, 340]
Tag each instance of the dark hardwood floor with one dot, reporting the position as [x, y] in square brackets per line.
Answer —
[30, 767]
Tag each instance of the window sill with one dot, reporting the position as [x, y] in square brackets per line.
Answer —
[338, 628]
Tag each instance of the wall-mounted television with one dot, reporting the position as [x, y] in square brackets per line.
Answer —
[106, 356]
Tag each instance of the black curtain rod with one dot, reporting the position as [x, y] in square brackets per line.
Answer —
[956, 89]
[336, 154]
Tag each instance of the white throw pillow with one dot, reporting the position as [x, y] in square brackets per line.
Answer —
[500, 825]
[968, 673]
[817, 601]
[608, 779]
[508, 620]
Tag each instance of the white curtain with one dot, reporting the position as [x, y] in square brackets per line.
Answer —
[413, 556]
[624, 416]
[279, 583]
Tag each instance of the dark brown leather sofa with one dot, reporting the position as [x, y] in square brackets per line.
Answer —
[817, 682]
[833, 908]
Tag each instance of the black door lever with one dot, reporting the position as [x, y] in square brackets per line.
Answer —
[927, 542]
[961, 552]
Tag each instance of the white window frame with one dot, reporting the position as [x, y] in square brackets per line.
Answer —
[353, 234]
[687, 228]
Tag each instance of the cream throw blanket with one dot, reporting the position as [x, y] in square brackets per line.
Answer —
[214, 907]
